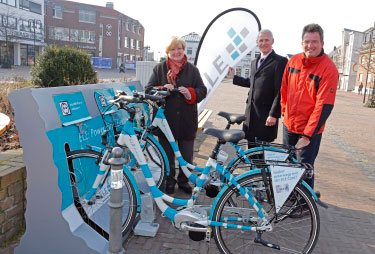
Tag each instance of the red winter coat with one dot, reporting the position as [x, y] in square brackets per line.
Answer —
[308, 93]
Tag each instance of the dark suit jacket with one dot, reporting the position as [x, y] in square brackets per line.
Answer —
[264, 97]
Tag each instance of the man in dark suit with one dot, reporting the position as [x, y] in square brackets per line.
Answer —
[263, 102]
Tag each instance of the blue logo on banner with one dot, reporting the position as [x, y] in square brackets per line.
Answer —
[238, 44]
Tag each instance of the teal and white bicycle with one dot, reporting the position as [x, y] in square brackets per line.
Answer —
[266, 207]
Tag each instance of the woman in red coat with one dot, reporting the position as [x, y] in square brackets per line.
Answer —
[181, 107]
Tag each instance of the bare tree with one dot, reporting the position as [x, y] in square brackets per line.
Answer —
[367, 64]
[8, 24]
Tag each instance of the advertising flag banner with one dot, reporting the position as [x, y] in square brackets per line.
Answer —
[226, 40]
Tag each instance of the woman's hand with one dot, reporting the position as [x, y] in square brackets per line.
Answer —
[169, 87]
[185, 92]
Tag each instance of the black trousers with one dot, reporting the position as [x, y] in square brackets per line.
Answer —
[308, 153]
[186, 147]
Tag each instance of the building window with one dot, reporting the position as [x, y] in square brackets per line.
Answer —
[24, 4]
[132, 43]
[139, 45]
[363, 60]
[360, 77]
[84, 36]
[59, 33]
[57, 12]
[36, 8]
[189, 51]
[24, 25]
[9, 22]
[87, 16]
[134, 28]
[369, 78]
[139, 30]
[126, 42]
[128, 26]
[9, 2]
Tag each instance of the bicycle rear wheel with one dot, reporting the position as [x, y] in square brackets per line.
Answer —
[83, 168]
[295, 227]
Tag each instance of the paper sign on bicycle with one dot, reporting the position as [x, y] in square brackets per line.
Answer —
[284, 179]
[276, 155]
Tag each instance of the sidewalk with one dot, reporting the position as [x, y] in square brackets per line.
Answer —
[345, 176]
[103, 74]
[345, 170]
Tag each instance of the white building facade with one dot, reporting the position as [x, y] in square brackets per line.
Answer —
[192, 42]
[347, 64]
[243, 68]
[21, 31]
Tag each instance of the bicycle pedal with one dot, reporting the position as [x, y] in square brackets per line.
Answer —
[208, 234]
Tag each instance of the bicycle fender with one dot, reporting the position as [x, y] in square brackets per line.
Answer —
[161, 149]
[134, 184]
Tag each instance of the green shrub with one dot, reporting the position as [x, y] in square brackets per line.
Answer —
[63, 66]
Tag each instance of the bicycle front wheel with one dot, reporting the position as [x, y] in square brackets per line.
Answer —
[91, 201]
[295, 228]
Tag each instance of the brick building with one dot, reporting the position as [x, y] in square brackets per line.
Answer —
[102, 31]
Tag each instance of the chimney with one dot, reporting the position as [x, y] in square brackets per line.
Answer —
[109, 5]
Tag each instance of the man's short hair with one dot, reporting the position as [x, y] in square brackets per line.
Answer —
[312, 28]
[265, 31]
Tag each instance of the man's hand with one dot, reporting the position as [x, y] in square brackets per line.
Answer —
[302, 142]
[169, 87]
[271, 121]
[185, 92]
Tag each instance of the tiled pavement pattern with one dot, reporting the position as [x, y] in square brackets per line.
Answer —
[344, 176]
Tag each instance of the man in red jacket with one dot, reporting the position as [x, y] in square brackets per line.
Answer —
[308, 93]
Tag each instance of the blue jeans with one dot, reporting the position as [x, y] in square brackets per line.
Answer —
[308, 153]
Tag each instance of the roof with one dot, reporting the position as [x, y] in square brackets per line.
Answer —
[192, 37]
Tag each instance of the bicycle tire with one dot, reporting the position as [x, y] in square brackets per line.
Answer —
[96, 212]
[292, 234]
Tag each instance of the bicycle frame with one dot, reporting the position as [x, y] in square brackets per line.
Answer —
[129, 138]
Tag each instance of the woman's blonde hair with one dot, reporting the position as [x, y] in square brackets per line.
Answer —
[175, 40]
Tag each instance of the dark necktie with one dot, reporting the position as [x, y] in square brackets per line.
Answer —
[260, 62]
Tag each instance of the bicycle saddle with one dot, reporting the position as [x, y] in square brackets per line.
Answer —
[232, 118]
[225, 135]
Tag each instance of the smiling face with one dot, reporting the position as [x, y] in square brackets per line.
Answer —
[265, 42]
[311, 44]
[176, 52]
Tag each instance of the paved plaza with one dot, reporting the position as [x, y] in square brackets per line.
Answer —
[106, 75]
[345, 171]
[345, 176]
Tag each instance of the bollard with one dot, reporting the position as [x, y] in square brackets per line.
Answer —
[116, 203]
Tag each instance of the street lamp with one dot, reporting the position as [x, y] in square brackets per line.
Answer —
[33, 21]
